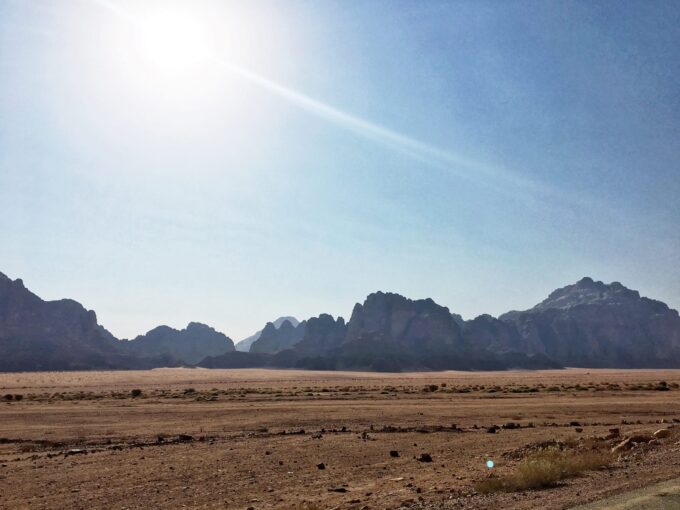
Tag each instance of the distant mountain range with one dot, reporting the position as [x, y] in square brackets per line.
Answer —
[189, 345]
[587, 324]
[244, 345]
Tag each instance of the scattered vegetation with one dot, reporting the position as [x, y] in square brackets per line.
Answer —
[546, 468]
[348, 392]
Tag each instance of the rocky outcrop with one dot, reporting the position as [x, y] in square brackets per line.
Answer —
[56, 335]
[487, 332]
[391, 321]
[323, 335]
[244, 345]
[593, 324]
[273, 339]
[190, 345]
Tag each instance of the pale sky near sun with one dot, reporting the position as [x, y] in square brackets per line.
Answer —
[231, 162]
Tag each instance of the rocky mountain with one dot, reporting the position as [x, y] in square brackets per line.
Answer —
[391, 332]
[388, 332]
[487, 332]
[458, 319]
[276, 339]
[189, 345]
[244, 345]
[56, 335]
[323, 335]
[587, 324]
[387, 320]
[593, 324]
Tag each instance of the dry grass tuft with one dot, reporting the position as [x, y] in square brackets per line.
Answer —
[547, 467]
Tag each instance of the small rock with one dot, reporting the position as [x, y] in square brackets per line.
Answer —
[338, 489]
[75, 451]
[662, 433]
[578, 429]
[425, 457]
[321, 465]
[613, 433]
[394, 453]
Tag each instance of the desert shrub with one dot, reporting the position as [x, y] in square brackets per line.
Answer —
[545, 468]
[9, 397]
[136, 392]
[18, 397]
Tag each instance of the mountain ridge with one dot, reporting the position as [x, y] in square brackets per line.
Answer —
[585, 324]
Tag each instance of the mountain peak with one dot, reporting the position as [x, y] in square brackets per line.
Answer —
[586, 281]
[588, 292]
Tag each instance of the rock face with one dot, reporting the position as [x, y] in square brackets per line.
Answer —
[273, 339]
[244, 345]
[592, 324]
[487, 332]
[189, 345]
[56, 335]
[323, 335]
[393, 321]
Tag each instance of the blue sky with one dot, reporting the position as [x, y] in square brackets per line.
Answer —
[479, 153]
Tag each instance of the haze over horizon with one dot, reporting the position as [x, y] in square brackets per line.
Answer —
[325, 152]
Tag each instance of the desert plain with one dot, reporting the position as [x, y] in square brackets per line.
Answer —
[286, 439]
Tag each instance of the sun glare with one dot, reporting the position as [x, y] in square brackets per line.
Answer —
[174, 40]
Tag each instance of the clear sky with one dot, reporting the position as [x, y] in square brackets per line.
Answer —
[231, 162]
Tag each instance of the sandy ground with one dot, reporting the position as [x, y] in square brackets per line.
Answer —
[254, 438]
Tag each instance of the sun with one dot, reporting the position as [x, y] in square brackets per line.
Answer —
[174, 40]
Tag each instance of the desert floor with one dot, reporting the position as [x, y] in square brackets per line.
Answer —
[243, 439]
